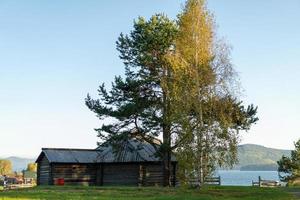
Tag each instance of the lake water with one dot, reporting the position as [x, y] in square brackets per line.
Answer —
[244, 178]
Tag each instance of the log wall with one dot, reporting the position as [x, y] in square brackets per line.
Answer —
[151, 174]
[121, 174]
[79, 174]
[43, 173]
[129, 174]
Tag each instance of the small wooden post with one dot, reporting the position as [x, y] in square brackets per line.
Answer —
[38, 173]
[141, 176]
[259, 181]
[102, 174]
[219, 180]
[99, 175]
[174, 174]
[51, 180]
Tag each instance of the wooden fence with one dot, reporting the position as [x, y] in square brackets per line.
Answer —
[265, 183]
[17, 186]
[213, 180]
[207, 181]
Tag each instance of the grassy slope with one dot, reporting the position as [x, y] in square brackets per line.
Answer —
[148, 193]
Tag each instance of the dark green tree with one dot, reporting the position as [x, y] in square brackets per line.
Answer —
[137, 104]
[289, 167]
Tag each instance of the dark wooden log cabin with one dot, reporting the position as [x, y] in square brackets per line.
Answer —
[133, 164]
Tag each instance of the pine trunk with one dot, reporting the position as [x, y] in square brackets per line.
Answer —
[166, 166]
[166, 156]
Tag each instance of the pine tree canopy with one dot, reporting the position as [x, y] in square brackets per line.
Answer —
[135, 103]
[289, 167]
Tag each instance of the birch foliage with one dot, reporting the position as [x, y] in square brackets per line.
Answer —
[202, 93]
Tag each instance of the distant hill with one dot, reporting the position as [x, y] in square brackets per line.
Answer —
[252, 157]
[19, 163]
[256, 157]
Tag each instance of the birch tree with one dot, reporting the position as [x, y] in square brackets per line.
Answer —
[203, 94]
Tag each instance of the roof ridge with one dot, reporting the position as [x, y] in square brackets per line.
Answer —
[70, 149]
[136, 149]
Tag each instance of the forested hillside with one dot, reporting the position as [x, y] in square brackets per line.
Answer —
[256, 157]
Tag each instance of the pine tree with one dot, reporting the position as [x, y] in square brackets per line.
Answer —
[289, 167]
[137, 104]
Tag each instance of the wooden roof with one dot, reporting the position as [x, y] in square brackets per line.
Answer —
[60, 155]
[129, 151]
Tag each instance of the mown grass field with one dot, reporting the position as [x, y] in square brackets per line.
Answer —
[148, 193]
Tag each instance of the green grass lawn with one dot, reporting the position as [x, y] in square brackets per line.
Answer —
[148, 193]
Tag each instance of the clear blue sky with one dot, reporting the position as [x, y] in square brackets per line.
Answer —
[52, 53]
